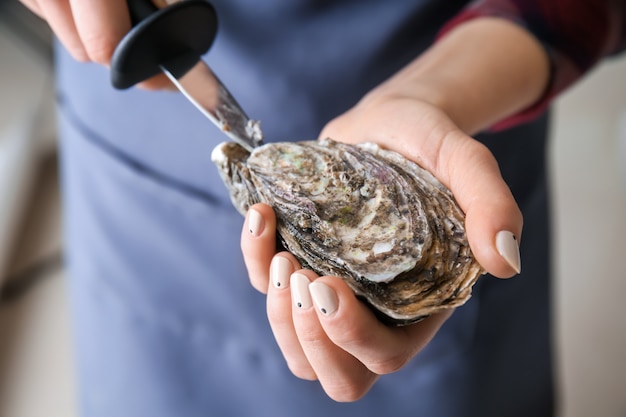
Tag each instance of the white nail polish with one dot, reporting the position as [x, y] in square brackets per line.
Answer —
[324, 298]
[508, 248]
[255, 222]
[280, 270]
[300, 291]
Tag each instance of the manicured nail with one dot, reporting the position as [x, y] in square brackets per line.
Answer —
[280, 270]
[300, 291]
[324, 297]
[255, 223]
[507, 246]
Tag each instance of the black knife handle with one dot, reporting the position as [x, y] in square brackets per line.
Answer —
[177, 35]
[140, 10]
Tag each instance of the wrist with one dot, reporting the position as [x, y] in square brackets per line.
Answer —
[479, 73]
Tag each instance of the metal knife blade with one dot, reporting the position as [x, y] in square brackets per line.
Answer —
[210, 96]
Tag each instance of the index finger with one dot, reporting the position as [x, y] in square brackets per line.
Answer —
[100, 25]
[258, 244]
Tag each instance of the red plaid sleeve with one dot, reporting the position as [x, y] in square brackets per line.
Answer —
[575, 33]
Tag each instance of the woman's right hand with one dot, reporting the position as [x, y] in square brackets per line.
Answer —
[90, 29]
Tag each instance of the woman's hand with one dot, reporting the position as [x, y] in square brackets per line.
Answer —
[481, 72]
[425, 134]
[324, 332]
[90, 29]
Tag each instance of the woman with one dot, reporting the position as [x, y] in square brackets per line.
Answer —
[166, 323]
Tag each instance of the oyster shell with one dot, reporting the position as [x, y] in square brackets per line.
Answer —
[363, 213]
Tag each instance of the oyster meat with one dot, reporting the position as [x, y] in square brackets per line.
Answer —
[363, 213]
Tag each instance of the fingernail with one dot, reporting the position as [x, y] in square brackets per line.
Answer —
[300, 291]
[255, 223]
[507, 246]
[280, 269]
[324, 297]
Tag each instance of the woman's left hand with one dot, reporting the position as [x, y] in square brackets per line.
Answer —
[323, 330]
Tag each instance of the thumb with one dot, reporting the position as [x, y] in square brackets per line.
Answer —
[493, 220]
[425, 134]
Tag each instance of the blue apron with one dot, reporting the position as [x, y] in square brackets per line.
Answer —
[165, 319]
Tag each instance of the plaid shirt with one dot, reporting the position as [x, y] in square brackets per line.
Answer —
[577, 34]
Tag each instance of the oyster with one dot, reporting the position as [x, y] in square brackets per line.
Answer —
[363, 213]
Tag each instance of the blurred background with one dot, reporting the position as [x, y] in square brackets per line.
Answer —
[588, 173]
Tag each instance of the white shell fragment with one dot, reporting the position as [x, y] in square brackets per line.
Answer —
[368, 215]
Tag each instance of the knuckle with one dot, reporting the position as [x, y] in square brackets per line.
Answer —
[75, 47]
[310, 338]
[302, 371]
[389, 364]
[277, 315]
[78, 53]
[100, 49]
[258, 285]
[244, 245]
[347, 336]
[347, 392]
[258, 280]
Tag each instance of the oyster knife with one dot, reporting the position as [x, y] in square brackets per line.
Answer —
[172, 40]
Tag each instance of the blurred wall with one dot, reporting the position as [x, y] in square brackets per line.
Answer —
[26, 110]
[588, 166]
